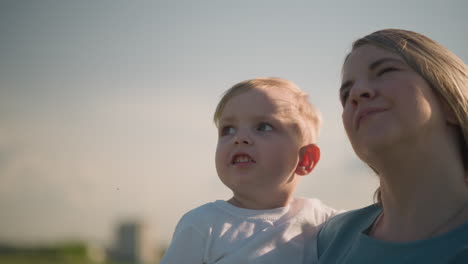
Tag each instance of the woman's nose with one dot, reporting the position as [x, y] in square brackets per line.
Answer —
[360, 92]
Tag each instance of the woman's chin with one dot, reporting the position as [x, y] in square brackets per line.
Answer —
[373, 146]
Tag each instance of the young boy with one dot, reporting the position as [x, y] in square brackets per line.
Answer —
[267, 130]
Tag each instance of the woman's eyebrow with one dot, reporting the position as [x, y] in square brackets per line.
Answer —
[372, 66]
[345, 85]
[381, 61]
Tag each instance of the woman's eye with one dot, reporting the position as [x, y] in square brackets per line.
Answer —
[344, 97]
[264, 127]
[227, 130]
[385, 70]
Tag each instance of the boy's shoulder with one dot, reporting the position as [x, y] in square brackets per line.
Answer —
[313, 209]
[201, 213]
[210, 213]
[311, 203]
[199, 219]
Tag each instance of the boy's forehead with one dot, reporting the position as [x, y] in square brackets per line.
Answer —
[259, 104]
[275, 100]
[275, 92]
[275, 96]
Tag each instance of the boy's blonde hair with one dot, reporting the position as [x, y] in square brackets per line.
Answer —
[307, 116]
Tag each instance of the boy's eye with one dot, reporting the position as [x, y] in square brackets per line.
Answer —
[264, 127]
[227, 130]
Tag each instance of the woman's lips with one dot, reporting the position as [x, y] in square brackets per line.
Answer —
[365, 113]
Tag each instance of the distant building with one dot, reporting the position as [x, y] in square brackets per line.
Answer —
[133, 244]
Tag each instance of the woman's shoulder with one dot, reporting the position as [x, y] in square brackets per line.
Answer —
[346, 225]
[357, 217]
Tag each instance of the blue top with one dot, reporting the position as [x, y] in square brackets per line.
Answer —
[344, 239]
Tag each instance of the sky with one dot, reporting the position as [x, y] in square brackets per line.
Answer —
[106, 106]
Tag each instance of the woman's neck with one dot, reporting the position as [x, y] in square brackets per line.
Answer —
[422, 194]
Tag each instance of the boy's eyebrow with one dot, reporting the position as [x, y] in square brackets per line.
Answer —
[372, 66]
[227, 119]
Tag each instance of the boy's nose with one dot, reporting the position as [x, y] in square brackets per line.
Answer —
[242, 140]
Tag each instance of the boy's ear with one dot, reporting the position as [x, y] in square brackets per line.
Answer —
[309, 157]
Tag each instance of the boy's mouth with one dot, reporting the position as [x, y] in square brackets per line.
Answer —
[242, 158]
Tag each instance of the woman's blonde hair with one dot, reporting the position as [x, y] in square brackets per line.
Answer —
[443, 71]
[309, 115]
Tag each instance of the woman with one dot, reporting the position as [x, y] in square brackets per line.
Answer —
[405, 108]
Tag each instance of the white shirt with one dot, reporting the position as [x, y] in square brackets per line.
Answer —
[222, 233]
